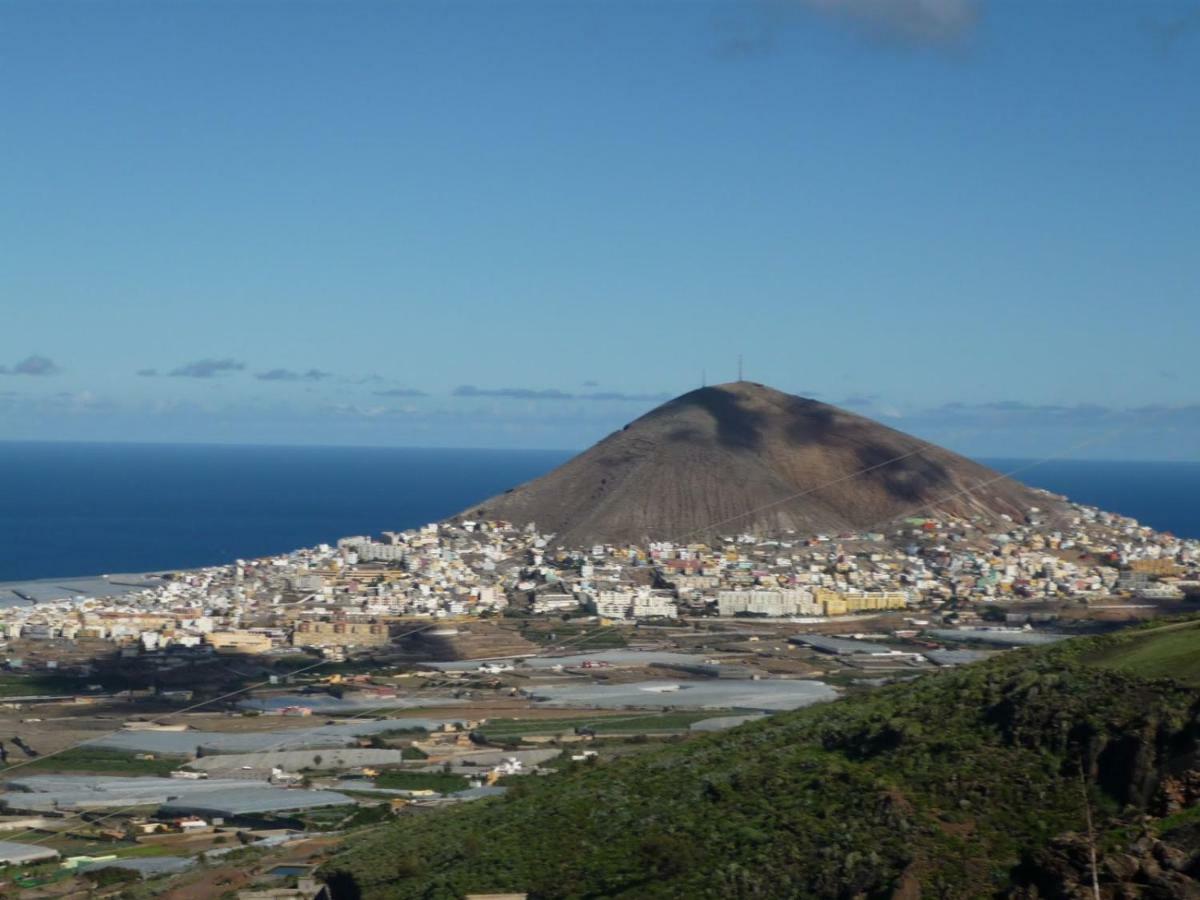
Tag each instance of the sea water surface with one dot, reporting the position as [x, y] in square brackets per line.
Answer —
[1164, 495]
[85, 509]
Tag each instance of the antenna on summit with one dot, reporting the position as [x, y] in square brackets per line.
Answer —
[703, 378]
[739, 367]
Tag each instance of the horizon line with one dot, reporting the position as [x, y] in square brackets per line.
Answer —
[461, 449]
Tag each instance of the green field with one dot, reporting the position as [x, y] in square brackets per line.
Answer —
[577, 637]
[97, 761]
[73, 845]
[422, 781]
[1165, 651]
[37, 685]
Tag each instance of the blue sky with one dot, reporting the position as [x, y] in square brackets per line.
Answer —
[518, 224]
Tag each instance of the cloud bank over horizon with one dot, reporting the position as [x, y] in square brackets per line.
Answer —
[510, 393]
[34, 365]
[543, 419]
[207, 368]
[290, 375]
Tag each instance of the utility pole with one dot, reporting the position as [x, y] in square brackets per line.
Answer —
[1091, 833]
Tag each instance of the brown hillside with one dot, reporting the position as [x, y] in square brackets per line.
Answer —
[742, 457]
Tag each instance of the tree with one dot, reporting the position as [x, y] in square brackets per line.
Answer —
[109, 876]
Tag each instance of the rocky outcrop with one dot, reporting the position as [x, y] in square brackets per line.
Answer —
[1146, 868]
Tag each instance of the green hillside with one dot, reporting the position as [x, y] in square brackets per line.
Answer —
[962, 784]
[1165, 651]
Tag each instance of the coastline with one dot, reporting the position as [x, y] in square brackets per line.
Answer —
[43, 590]
[73, 510]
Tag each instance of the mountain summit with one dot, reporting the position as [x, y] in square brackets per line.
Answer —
[742, 457]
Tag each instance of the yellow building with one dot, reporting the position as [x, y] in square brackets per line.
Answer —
[838, 603]
[830, 603]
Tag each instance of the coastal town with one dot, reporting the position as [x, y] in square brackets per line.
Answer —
[361, 591]
[237, 715]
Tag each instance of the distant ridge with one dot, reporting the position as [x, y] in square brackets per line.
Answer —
[742, 457]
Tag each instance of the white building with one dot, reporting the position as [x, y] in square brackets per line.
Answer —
[612, 604]
[794, 602]
[550, 603]
[654, 606]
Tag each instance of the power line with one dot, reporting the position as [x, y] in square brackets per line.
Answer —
[798, 494]
[1000, 476]
[1024, 467]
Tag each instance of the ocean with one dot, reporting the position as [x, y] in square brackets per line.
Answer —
[87, 509]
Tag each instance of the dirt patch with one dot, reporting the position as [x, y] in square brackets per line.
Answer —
[208, 883]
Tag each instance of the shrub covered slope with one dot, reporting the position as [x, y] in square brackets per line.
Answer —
[969, 783]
